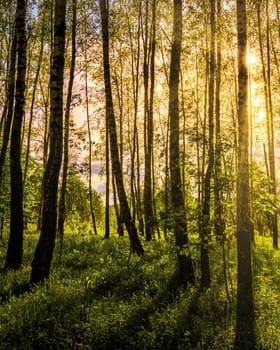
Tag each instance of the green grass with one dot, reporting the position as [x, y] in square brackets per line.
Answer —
[101, 297]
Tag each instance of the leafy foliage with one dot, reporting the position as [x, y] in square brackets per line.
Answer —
[263, 202]
[77, 199]
[78, 214]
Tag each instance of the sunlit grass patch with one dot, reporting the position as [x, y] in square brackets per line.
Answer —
[100, 296]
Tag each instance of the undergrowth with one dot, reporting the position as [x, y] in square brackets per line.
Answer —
[100, 296]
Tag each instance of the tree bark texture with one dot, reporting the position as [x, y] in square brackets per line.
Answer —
[266, 72]
[61, 206]
[116, 165]
[150, 76]
[44, 250]
[219, 222]
[206, 229]
[15, 245]
[9, 105]
[245, 309]
[185, 268]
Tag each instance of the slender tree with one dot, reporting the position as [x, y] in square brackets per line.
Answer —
[35, 84]
[271, 141]
[107, 194]
[61, 206]
[89, 142]
[135, 50]
[185, 273]
[44, 250]
[219, 223]
[7, 115]
[245, 308]
[15, 246]
[206, 229]
[45, 92]
[149, 76]
[266, 73]
[116, 165]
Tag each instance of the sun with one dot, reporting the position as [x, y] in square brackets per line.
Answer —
[251, 57]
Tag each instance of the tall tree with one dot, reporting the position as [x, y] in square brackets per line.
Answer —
[185, 273]
[149, 76]
[44, 250]
[89, 142]
[116, 165]
[135, 47]
[266, 73]
[61, 206]
[45, 92]
[245, 308]
[107, 193]
[271, 142]
[219, 224]
[7, 115]
[35, 85]
[206, 229]
[15, 246]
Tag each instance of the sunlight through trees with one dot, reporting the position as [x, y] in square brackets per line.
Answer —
[155, 122]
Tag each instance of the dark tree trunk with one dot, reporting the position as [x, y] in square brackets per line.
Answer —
[149, 70]
[15, 246]
[61, 206]
[245, 308]
[116, 165]
[185, 269]
[44, 250]
[118, 213]
[9, 105]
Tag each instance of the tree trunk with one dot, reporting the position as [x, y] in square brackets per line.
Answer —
[118, 80]
[118, 213]
[219, 223]
[15, 245]
[166, 182]
[34, 96]
[107, 194]
[90, 144]
[116, 165]
[134, 177]
[271, 142]
[185, 273]
[61, 205]
[269, 117]
[206, 229]
[46, 140]
[149, 74]
[46, 102]
[9, 106]
[245, 309]
[44, 250]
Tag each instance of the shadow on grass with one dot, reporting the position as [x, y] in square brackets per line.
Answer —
[139, 330]
[15, 288]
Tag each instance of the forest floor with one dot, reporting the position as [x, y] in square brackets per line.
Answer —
[100, 296]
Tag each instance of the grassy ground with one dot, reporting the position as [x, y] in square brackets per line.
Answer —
[101, 297]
